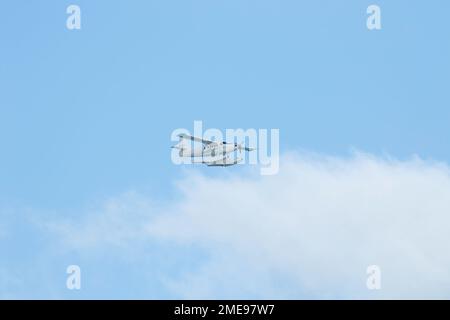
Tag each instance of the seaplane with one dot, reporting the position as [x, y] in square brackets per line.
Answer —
[211, 153]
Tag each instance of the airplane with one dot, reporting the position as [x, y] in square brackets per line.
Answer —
[212, 153]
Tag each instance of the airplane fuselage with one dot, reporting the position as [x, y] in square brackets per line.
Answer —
[208, 150]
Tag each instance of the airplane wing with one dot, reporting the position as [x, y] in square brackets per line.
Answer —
[186, 136]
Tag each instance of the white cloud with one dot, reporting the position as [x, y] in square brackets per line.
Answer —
[308, 232]
[118, 222]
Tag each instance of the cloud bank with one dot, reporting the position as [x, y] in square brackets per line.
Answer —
[309, 232]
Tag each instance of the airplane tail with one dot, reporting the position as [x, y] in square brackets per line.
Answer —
[181, 146]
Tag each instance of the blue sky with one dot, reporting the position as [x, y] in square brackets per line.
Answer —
[86, 115]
